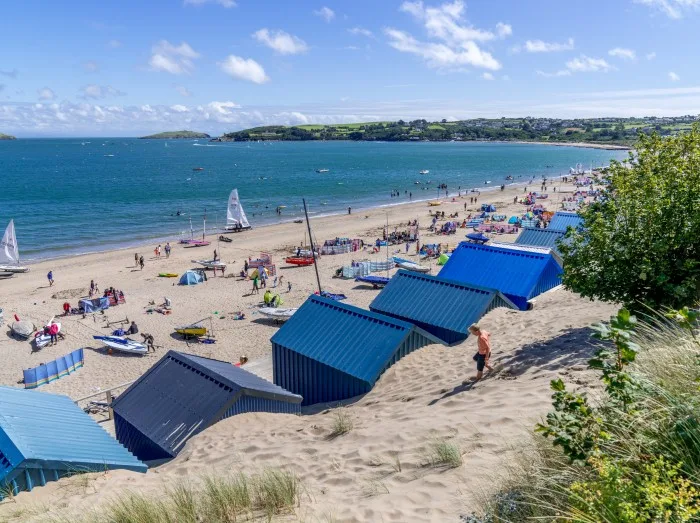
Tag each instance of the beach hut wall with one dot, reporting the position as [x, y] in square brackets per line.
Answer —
[331, 351]
[564, 219]
[518, 273]
[51, 371]
[441, 307]
[182, 394]
[44, 437]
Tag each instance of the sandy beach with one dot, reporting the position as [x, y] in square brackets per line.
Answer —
[419, 400]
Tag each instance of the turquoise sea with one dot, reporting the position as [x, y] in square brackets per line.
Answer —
[73, 195]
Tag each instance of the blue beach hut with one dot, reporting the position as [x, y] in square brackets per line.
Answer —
[444, 308]
[330, 351]
[520, 274]
[44, 437]
[565, 219]
[182, 395]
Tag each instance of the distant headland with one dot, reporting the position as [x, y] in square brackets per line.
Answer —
[7, 137]
[175, 135]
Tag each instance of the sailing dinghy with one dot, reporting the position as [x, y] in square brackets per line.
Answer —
[277, 314]
[9, 251]
[410, 266]
[123, 344]
[236, 220]
[211, 264]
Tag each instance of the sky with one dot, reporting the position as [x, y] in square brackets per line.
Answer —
[128, 67]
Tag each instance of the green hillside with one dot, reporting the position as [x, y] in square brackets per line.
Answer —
[176, 135]
[7, 137]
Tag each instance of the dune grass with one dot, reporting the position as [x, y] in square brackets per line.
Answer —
[443, 453]
[342, 424]
[645, 461]
[216, 499]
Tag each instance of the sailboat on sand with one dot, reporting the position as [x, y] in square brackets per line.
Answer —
[9, 251]
[236, 220]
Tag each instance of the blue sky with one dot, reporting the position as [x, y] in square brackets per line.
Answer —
[122, 68]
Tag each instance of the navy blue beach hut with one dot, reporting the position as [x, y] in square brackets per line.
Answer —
[520, 274]
[330, 351]
[182, 394]
[44, 437]
[444, 308]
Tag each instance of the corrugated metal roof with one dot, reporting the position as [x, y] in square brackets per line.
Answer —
[181, 395]
[349, 339]
[518, 274]
[437, 302]
[49, 431]
[564, 219]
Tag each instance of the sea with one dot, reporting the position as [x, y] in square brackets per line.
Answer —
[74, 196]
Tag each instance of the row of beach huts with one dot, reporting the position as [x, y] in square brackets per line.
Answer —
[326, 352]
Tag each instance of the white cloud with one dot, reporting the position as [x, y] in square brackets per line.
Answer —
[184, 91]
[352, 48]
[223, 3]
[586, 64]
[651, 56]
[361, 31]
[540, 46]
[281, 42]
[98, 92]
[504, 30]
[446, 23]
[179, 108]
[672, 8]
[440, 55]
[621, 52]
[673, 77]
[46, 94]
[114, 44]
[487, 76]
[326, 13]
[244, 69]
[562, 72]
[173, 59]
[91, 66]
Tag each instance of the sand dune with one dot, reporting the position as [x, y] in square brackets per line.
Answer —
[377, 471]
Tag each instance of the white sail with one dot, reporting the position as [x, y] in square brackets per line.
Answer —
[9, 253]
[235, 216]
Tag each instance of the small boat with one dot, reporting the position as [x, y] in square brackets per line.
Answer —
[167, 275]
[300, 261]
[197, 168]
[41, 339]
[322, 170]
[196, 243]
[9, 251]
[123, 344]
[211, 264]
[410, 266]
[225, 239]
[486, 183]
[434, 204]
[277, 314]
[23, 329]
[191, 330]
[236, 220]
[478, 237]
[375, 281]
[424, 171]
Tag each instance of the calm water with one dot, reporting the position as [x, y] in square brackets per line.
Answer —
[82, 195]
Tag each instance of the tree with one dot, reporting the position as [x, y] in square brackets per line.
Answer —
[640, 242]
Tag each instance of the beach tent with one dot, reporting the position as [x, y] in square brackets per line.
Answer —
[44, 437]
[51, 371]
[329, 351]
[191, 278]
[514, 220]
[412, 297]
[564, 219]
[442, 260]
[182, 395]
[519, 273]
[94, 305]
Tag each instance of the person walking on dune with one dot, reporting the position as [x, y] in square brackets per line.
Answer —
[483, 343]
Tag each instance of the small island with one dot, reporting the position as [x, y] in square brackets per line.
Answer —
[7, 137]
[175, 135]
